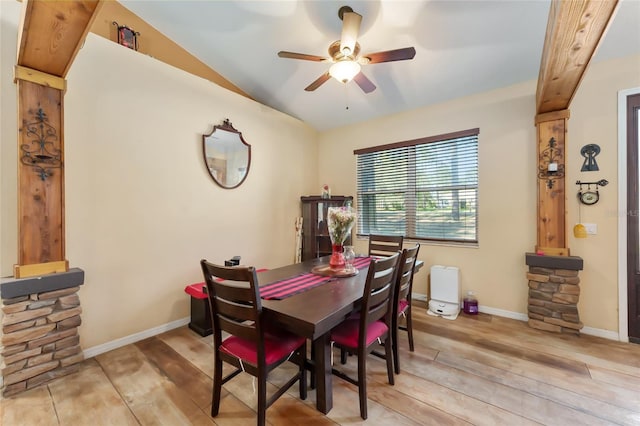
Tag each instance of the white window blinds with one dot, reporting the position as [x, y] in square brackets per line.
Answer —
[422, 189]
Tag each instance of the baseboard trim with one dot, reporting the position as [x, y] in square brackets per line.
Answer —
[123, 341]
[418, 296]
[598, 332]
[118, 343]
[132, 338]
[502, 313]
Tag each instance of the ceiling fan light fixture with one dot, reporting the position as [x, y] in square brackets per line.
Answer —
[344, 54]
[345, 70]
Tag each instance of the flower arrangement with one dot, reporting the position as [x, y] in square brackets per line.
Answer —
[341, 220]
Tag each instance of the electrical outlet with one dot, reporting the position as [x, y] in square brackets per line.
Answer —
[591, 228]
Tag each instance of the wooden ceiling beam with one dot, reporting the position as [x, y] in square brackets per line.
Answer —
[574, 31]
[52, 33]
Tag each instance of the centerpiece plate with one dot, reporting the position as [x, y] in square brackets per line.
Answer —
[325, 270]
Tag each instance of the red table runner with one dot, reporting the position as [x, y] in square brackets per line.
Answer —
[282, 289]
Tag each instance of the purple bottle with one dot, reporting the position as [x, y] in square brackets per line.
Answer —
[470, 304]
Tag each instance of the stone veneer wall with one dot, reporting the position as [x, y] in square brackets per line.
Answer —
[40, 339]
[554, 292]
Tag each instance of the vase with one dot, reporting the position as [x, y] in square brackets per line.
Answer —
[340, 221]
[349, 256]
[337, 257]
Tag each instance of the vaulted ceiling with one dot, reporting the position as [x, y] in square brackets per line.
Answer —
[462, 47]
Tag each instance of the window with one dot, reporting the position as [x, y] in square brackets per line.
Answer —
[423, 189]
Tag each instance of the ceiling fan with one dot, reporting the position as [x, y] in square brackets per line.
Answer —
[344, 55]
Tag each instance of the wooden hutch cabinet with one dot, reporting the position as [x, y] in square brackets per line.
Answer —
[315, 235]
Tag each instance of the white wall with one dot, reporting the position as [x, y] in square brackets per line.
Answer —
[142, 210]
[594, 114]
[507, 210]
[9, 16]
[507, 193]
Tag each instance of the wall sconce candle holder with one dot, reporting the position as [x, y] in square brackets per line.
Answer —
[549, 167]
[127, 36]
[41, 152]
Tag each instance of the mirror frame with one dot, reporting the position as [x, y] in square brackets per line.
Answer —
[228, 127]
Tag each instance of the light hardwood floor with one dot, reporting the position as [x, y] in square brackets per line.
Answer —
[480, 369]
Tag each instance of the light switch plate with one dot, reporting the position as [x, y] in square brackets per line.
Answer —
[591, 228]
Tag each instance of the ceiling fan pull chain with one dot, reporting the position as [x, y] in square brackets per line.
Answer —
[346, 95]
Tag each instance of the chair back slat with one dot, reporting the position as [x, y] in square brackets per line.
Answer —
[378, 311]
[385, 245]
[234, 309]
[234, 292]
[378, 300]
[245, 330]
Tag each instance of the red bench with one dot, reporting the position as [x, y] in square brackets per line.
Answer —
[196, 290]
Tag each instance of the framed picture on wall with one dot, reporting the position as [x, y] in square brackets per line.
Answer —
[127, 36]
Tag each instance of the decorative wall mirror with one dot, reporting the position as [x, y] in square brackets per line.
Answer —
[226, 155]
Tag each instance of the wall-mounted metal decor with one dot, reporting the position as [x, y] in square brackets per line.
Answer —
[589, 153]
[127, 36]
[548, 163]
[40, 152]
[588, 196]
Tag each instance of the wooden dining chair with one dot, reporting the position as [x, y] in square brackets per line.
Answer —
[402, 301]
[361, 334]
[253, 346]
[385, 245]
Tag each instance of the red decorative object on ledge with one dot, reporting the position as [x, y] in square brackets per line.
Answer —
[127, 36]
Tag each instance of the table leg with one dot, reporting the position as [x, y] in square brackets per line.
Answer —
[324, 379]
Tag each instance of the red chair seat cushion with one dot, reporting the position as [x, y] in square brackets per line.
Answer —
[402, 306]
[276, 347]
[346, 334]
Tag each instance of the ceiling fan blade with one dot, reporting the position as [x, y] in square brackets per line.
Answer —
[319, 82]
[365, 84]
[391, 55]
[303, 56]
[350, 28]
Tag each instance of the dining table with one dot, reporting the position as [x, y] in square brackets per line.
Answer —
[314, 311]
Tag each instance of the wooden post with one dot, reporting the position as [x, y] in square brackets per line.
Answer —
[551, 131]
[574, 31]
[51, 34]
[41, 231]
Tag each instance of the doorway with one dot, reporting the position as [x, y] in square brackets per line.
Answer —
[633, 216]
